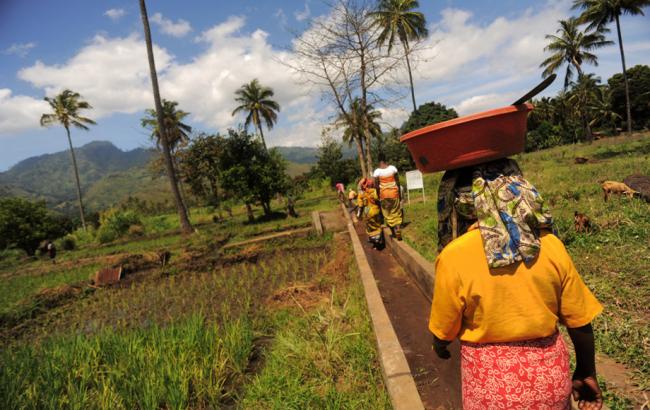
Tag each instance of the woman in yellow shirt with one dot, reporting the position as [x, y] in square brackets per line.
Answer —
[503, 283]
[369, 201]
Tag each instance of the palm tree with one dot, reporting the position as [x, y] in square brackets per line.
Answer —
[186, 227]
[177, 131]
[601, 107]
[65, 111]
[353, 128]
[581, 99]
[177, 134]
[256, 100]
[599, 13]
[573, 47]
[398, 20]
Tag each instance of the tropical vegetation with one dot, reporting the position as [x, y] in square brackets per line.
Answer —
[66, 108]
[598, 14]
[256, 101]
[398, 20]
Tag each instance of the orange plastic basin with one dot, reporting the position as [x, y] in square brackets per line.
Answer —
[469, 140]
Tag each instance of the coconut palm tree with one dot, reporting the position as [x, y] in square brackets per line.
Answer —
[177, 131]
[353, 131]
[572, 47]
[256, 100]
[398, 20]
[65, 111]
[598, 14]
[186, 227]
[601, 108]
[581, 97]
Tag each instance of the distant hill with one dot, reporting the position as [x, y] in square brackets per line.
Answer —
[50, 176]
[299, 155]
[108, 175]
[308, 155]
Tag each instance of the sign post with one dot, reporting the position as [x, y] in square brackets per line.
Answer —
[414, 180]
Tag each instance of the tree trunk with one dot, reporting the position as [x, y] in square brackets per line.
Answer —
[627, 87]
[362, 161]
[266, 207]
[408, 66]
[181, 188]
[259, 127]
[76, 176]
[249, 212]
[186, 227]
[368, 137]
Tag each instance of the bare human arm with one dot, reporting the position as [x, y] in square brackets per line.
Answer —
[585, 384]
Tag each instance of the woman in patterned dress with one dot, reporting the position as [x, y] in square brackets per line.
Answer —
[503, 284]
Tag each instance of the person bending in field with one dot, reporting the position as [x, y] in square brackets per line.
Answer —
[387, 182]
[369, 201]
[51, 251]
[503, 284]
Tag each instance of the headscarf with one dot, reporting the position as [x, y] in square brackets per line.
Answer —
[509, 210]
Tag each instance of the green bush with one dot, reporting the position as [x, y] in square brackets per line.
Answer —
[136, 230]
[84, 237]
[25, 224]
[67, 243]
[115, 223]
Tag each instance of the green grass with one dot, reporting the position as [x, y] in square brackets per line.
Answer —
[613, 260]
[14, 289]
[326, 367]
[206, 334]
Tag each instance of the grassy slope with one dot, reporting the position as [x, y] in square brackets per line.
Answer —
[613, 260]
[195, 338]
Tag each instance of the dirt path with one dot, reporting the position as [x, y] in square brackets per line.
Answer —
[438, 381]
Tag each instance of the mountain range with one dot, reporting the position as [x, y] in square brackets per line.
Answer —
[108, 175]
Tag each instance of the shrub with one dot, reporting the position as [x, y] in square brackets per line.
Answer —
[25, 224]
[84, 237]
[136, 230]
[68, 243]
[115, 223]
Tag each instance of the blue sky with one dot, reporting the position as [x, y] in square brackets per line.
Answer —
[480, 55]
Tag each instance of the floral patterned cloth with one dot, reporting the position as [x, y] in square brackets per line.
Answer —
[509, 210]
[532, 374]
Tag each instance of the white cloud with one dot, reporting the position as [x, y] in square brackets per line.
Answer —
[19, 113]
[302, 15]
[207, 84]
[19, 49]
[110, 73]
[392, 117]
[178, 29]
[113, 75]
[484, 102]
[115, 14]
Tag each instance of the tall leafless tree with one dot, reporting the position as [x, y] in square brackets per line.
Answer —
[340, 55]
[186, 227]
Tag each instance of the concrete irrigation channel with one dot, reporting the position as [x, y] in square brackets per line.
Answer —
[410, 366]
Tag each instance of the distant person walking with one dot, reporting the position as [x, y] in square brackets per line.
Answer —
[340, 191]
[387, 182]
[368, 201]
[352, 199]
[51, 251]
[503, 284]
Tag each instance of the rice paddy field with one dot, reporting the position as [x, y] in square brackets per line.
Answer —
[614, 259]
[280, 324]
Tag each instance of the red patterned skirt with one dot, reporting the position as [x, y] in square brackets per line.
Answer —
[532, 374]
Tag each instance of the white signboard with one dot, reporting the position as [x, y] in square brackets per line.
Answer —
[414, 180]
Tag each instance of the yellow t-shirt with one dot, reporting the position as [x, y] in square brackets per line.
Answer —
[508, 304]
